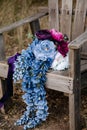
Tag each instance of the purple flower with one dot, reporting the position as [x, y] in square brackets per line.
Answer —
[11, 61]
[43, 34]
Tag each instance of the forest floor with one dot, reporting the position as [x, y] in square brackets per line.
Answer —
[58, 118]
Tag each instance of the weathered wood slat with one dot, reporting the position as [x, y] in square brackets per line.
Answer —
[84, 55]
[84, 68]
[84, 50]
[59, 9]
[3, 70]
[35, 26]
[2, 48]
[66, 17]
[74, 99]
[53, 14]
[84, 80]
[20, 37]
[1, 91]
[83, 62]
[79, 41]
[1, 95]
[23, 21]
[59, 82]
[83, 65]
[79, 20]
[86, 21]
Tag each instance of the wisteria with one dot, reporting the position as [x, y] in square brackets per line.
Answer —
[31, 66]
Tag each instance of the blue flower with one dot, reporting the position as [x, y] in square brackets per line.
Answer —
[36, 90]
[31, 66]
[44, 49]
[35, 80]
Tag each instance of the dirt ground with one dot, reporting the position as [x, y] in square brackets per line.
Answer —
[58, 118]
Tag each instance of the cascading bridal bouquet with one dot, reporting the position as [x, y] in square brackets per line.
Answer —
[46, 50]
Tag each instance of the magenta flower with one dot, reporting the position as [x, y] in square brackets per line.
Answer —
[63, 48]
[58, 36]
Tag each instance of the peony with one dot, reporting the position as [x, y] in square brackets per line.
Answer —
[44, 49]
[63, 48]
[60, 62]
[58, 36]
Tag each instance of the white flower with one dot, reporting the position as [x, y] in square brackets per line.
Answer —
[60, 62]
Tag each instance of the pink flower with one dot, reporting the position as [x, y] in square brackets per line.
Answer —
[56, 35]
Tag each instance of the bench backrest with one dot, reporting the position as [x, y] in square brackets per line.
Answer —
[68, 16]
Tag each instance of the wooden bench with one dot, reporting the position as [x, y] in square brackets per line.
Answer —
[73, 22]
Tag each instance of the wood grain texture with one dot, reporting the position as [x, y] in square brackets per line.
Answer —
[83, 65]
[79, 41]
[53, 14]
[35, 26]
[84, 80]
[1, 95]
[2, 48]
[3, 70]
[20, 37]
[79, 19]
[1, 90]
[74, 99]
[59, 82]
[66, 17]
[84, 55]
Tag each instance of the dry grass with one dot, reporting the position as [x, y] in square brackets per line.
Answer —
[11, 11]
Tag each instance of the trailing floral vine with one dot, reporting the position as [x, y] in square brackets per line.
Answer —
[31, 66]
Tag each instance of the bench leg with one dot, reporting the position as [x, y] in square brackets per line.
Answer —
[74, 110]
[1, 95]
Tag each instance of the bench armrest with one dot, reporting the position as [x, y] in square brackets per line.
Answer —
[23, 21]
[79, 41]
